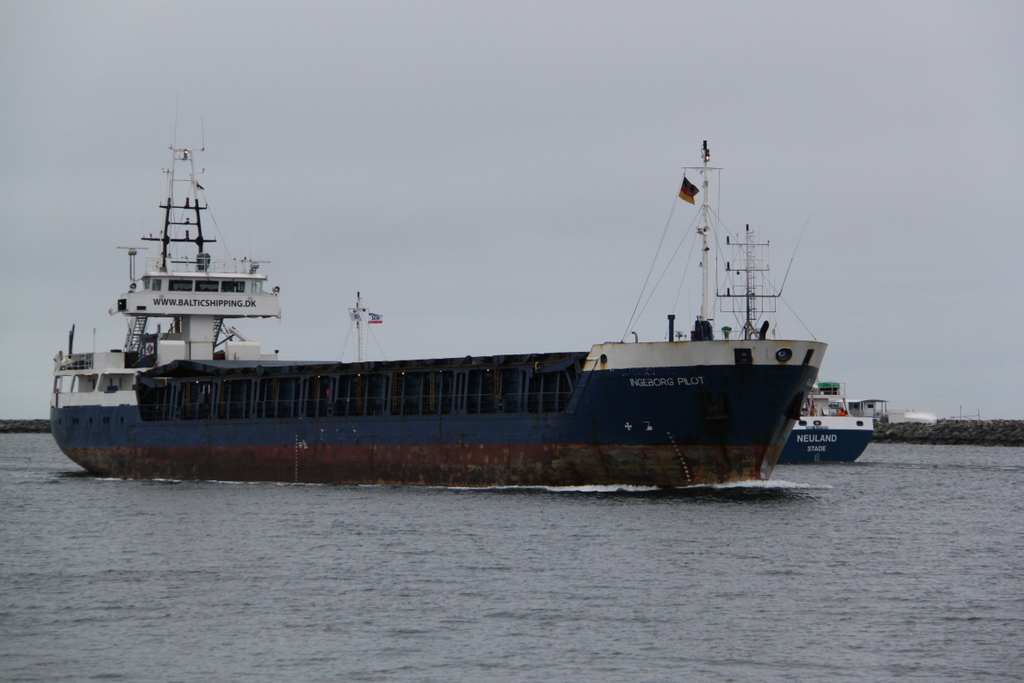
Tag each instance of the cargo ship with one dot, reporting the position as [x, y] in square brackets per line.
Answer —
[198, 401]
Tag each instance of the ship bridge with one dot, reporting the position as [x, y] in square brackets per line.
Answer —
[198, 295]
[224, 288]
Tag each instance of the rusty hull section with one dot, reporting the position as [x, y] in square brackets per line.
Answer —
[471, 465]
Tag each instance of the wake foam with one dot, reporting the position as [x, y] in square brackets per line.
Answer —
[751, 485]
[769, 484]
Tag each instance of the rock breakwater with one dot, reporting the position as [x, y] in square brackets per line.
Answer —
[24, 426]
[954, 433]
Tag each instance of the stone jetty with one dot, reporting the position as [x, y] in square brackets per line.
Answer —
[24, 426]
[954, 433]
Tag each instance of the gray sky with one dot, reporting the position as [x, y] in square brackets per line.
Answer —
[495, 177]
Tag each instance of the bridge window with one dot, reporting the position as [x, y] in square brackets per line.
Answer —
[233, 286]
[180, 286]
[206, 286]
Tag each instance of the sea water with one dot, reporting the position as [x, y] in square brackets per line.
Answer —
[907, 566]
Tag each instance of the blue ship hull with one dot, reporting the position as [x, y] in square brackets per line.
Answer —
[614, 422]
[825, 445]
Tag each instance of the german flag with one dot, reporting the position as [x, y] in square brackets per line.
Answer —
[688, 191]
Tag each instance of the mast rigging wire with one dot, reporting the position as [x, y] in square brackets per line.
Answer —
[664, 271]
[798, 318]
[344, 344]
[786, 276]
[634, 316]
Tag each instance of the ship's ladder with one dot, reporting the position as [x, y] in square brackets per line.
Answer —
[137, 328]
[218, 323]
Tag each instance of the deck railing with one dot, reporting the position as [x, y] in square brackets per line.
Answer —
[214, 266]
[77, 361]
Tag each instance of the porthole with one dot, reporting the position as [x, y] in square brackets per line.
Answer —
[860, 423]
[803, 423]
[783, 355]
[817, 423]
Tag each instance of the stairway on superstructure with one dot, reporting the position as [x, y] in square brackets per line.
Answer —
[133, 342]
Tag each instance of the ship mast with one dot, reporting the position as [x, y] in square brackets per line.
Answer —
[357, 314]
[182, 214]
[750, 292]
[702, 328]
[703, 231]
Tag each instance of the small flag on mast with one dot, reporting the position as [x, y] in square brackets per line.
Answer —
[376, 318]
[688, 191]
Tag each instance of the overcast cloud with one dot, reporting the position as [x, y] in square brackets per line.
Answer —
[495, 177]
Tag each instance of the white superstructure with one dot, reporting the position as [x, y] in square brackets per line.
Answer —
[195, 294]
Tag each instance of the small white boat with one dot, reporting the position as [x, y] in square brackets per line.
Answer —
[832, 428]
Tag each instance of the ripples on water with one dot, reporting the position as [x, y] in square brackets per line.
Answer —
[906, 566]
